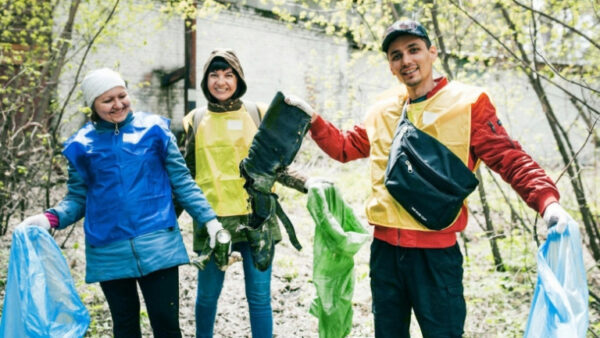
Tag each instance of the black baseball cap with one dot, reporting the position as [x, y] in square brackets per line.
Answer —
[403, 27]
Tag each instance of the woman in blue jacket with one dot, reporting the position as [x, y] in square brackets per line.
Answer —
[124, 169]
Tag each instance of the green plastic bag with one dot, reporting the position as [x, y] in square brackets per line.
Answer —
[338, 236]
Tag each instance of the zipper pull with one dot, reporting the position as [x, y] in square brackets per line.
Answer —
[409, 166]
[116, 129]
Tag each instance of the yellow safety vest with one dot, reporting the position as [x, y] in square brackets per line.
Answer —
[222, 141]
[445, 116]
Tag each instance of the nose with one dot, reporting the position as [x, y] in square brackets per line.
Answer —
[406, 60]
[220, 79]
[118, 104]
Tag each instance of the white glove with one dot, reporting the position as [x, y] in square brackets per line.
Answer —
[300, 104]
[213, 226]
[39, 220]
[556, 215]
[315, 181]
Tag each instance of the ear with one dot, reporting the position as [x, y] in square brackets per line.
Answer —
[390, 64]
[433, 52]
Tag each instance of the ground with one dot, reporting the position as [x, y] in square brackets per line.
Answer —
[498, 302]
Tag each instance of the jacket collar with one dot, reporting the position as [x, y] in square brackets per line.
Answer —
[440, 83]
[102, 125]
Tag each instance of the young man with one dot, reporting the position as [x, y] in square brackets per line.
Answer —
[412, 267]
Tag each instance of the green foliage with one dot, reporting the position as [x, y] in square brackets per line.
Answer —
[287, 268]
[26, 51]
[39, 42]
[554, 41]
[501, 299]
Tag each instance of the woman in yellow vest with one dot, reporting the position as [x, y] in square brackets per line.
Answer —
[218, 137]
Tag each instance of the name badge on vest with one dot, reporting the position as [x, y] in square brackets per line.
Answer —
[429, 117]
[234, 125]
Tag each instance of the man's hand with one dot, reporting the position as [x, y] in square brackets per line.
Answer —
[556, 215]
[213, 226]
[302, 105]
[39, 220]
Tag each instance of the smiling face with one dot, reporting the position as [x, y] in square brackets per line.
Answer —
[222, 84]
[411, 61]
[113, 105]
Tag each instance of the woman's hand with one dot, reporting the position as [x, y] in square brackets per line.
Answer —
[213, 226]
[39, 220]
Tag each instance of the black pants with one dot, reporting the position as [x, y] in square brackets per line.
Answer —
[428, 281]
[161, 294]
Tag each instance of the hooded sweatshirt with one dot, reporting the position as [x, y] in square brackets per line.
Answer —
[233, 103]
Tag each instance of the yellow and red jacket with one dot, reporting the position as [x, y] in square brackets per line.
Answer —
[464, 119]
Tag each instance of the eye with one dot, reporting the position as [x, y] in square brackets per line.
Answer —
[414, 50]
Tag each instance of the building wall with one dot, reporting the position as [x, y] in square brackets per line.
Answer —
[325, 71]
[275, 58]
[144, 47]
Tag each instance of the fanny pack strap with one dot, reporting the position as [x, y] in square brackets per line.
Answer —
[404, 111]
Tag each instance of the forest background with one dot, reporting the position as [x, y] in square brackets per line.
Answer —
[549, 47]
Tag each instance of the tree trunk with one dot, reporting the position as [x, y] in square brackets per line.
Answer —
[489, 226]
[571, 162]
[481, 188]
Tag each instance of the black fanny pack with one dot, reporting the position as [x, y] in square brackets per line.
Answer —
[425, 177]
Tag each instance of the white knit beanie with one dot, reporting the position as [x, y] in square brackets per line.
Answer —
[97, 82]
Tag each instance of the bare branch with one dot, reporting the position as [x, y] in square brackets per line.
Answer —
[362, 18]
[569, 27]
[574, 157]
[87, 50]
[523, 63]
[440, 39]
[521, 221]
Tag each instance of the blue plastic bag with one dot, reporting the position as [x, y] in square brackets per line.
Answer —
[560, 302]
[40, 297]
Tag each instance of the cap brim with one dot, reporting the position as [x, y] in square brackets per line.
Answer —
[389, 38]
[393, 35]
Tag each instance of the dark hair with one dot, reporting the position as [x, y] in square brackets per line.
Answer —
[219, 63]
[427, 42]
[95, 117]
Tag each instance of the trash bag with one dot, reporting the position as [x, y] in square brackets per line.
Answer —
[560, 303]
[40, 297]
[338, 236]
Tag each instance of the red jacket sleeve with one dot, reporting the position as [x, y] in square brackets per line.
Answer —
[490, 143]
[343, 146]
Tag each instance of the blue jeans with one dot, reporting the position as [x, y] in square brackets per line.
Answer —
[258, 294]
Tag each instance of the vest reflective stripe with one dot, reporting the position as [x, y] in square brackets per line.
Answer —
[128, 190]
[445, 116]
[222, 141]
